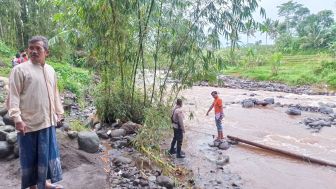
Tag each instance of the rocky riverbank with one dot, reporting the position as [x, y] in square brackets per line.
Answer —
[239, 83]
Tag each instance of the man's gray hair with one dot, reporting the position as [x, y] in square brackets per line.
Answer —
[38, 38]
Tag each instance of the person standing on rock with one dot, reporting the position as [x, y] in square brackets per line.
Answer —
[219, 114]
[178, 126]
[35, 106]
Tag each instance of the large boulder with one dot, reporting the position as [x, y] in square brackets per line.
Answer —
[247, 103]
[88, 141]
[72, 134]
[326, 110]
[8, 120]
[224, 145]
[130, 127]
[5, 149]
[269, 100]
[118, 133]
[11, 138]
[165, 182]
[293, 111]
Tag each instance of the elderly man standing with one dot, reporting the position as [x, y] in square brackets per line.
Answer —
[178, 126]
[34, 104]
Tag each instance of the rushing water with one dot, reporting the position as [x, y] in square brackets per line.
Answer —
[271, 126]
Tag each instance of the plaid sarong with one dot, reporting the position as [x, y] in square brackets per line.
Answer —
[39, 158]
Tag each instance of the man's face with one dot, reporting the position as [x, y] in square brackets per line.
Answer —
[214, 95]
[37, 53]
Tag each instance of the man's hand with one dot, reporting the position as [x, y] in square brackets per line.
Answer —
[21, 126]
[207, 114]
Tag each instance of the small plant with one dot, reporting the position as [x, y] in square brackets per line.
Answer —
[276, 62]
[78, 126]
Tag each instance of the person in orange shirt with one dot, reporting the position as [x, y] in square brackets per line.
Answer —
[219, 114]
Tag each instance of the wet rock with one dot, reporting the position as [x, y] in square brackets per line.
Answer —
[72, 134]
[224, 145]
[11, 138]
[269, 100]
[120, 143]
[118, 133]
[222, 160]
[326, 110]
[5, 149]
[130, 127]
[3, 111]
[261, 103]
[165, 182]
[247, 103]
[88, 141]
[293, 111]
[320, 123]
[152, 178]
[121, 160]
[8, 120]
[215, 143]
[102, 134]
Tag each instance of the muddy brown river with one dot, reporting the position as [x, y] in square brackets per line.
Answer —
[249, 167]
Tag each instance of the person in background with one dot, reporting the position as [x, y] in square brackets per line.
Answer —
[178, 126]
[16, 60]
[219, 114]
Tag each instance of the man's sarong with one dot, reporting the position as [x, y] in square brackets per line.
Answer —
[39, 158]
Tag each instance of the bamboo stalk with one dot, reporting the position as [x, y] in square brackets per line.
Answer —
[290, 154]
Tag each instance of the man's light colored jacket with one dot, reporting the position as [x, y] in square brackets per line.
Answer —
[33, 96]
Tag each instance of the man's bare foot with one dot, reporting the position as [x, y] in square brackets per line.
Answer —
[53, 186]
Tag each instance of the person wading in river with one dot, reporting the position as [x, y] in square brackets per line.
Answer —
[178, 126]
[35, 105]
[219, 114]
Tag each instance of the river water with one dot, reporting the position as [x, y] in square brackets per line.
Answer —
[249, 167]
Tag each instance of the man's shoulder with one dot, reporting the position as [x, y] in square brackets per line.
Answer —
[48, 66]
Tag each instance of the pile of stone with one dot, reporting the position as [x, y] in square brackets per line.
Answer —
[8, 137]
[316, 124]
[252, 102]
[124, 173]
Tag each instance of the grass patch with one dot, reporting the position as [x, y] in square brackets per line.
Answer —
[76, 125]
[293, 70]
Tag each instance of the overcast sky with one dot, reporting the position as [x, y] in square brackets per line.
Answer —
[271, 9]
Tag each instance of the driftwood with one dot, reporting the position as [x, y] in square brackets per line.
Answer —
[290, 154]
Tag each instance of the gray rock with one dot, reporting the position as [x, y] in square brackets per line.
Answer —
[269, 100]
[261, 103]
[7, 128]
[5, 149]
[120, 143]
[320, 123]
[130, 127]
[224, 145]
[121, 160]
[88, 141]
[8, 120]
[16, 150]
[98, 126]
[102, 134]
[11, 138]
[118, 133]
[3, 111]
[223, 160]
[152, 178]
[293, 111]
[72, 134]
[3, 135]
[326, 110]
[2, 123]
[247, 103]
[165, 182]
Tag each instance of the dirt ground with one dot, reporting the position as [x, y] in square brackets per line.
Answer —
[80, 169]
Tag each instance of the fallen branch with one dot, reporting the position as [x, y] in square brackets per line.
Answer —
[290, 154]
